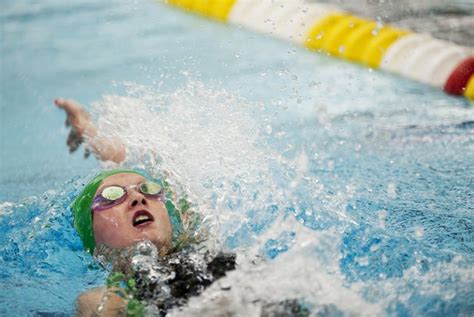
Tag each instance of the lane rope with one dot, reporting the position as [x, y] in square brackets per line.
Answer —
[327, 29]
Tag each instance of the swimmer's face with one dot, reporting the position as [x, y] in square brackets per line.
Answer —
[115, 226]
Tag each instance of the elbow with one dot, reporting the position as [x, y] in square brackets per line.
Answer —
[118, 156]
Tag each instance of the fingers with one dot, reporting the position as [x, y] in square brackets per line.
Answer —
[74, 140]
[70, 106]
[77, 117]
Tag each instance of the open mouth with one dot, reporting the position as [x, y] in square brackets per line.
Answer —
[142, 218]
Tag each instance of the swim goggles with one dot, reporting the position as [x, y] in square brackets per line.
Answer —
[113, 195]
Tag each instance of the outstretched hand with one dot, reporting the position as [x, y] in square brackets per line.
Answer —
[78, 119]
[82, 128]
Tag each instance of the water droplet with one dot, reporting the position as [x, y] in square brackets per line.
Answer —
[268, 129]
[374, 247]
[363, 261]
[330, 165]
[294, 77]
[382, 215]
[392, 190]
[419, 232]
[351, 189]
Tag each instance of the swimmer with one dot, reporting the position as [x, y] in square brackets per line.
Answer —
[124, 213]
[120, 208]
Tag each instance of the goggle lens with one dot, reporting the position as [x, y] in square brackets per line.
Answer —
[113, 192]
[150, 188]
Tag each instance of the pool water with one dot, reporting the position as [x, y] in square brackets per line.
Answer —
[352, 188]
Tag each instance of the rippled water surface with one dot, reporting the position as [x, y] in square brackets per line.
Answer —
[351, 189]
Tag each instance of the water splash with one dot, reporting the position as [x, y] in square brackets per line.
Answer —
[318, 212]
[213, 145]
[41, 253]
[269, 203]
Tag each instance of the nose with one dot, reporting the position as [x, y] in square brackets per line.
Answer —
[136, 199]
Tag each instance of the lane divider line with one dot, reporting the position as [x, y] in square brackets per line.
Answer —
[327, 29]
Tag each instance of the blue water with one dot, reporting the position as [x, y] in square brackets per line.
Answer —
[393, 159]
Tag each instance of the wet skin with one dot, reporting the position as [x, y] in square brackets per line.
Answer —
[115, 226]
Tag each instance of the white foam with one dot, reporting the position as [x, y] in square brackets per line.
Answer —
[215, 147]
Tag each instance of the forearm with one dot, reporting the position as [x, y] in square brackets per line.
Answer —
[82, 128]
[105, 149]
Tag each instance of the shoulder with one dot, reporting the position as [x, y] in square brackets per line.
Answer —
[89, 302]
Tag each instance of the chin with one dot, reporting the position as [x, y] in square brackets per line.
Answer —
[150, 237]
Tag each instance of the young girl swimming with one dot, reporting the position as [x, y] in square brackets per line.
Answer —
[124, 216]
[127, 219]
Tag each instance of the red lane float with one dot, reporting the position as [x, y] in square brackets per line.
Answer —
[325, 28]
[457, 81]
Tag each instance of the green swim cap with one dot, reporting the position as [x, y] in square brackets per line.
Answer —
[81, 207]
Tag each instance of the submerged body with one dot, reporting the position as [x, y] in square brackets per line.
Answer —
[161, 282]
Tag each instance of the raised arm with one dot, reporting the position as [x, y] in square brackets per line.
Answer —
[83, 129]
